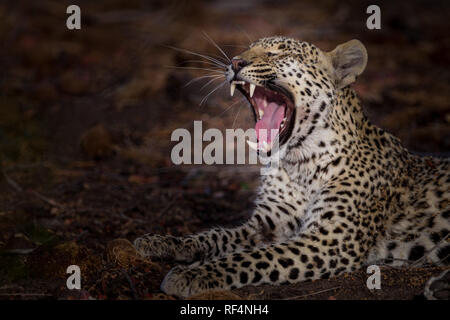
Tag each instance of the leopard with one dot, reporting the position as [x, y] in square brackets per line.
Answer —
[345, 194]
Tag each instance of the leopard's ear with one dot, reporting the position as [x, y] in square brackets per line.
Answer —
[348, 60]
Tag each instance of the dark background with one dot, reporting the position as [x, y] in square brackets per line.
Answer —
[86, 118]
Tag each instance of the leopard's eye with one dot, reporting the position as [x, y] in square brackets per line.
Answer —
[271, 54]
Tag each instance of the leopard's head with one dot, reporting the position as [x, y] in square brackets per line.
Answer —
[290, 84]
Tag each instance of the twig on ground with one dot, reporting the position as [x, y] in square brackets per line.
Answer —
[167, 207]
[12, 183]
[312, 294]
[45, 199]
[19, 189]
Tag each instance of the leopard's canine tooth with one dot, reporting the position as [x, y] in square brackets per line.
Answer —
[232, 87]
[252, 89]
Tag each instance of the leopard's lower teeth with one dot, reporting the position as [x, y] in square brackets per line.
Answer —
[233, 86]
[261, 113]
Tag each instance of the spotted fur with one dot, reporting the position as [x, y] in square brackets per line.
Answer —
[346, 194]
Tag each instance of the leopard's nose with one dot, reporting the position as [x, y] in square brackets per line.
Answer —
[238, 64]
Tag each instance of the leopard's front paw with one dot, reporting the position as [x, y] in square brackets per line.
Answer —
[163, 247]
[184, 282]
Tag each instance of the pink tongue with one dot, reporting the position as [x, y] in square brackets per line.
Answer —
[267, 128]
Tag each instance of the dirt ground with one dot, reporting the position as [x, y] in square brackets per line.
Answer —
[86, 118]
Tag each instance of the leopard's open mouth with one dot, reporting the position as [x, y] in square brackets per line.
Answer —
[274, 112]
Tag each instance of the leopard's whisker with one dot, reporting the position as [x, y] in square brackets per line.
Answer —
[237, 114]
[218, 71]
[210, 81]
[245, 33]
[231, 105]
[216, 45]
[211, 92]
[199, 55]
[220, 58]
[198, 79]
[235, 46]
[203, 61]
